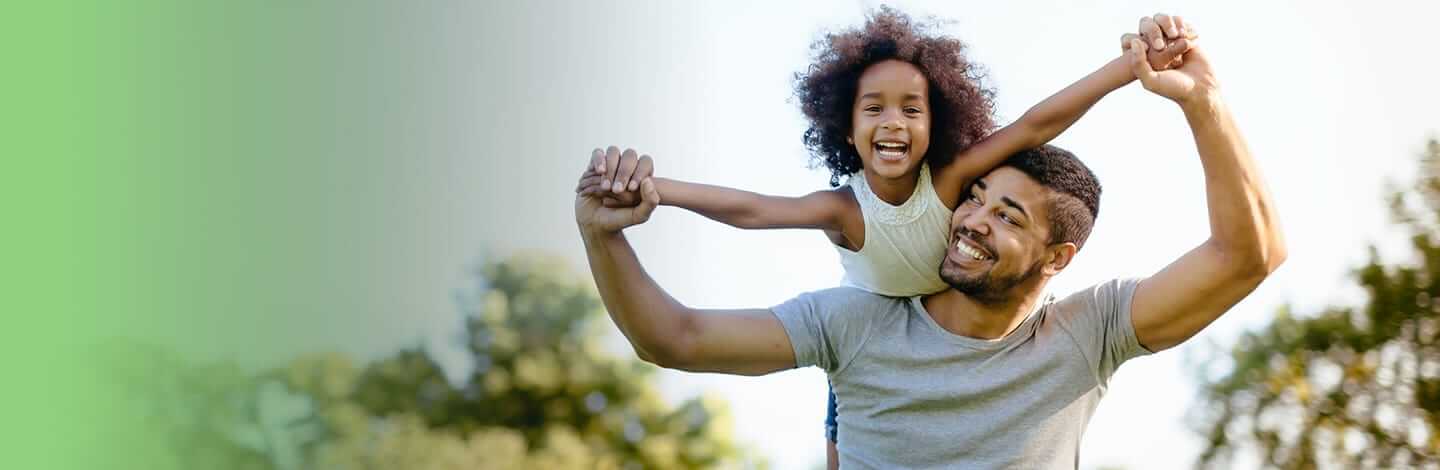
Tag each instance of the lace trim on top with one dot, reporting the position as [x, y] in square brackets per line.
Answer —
[877, 210]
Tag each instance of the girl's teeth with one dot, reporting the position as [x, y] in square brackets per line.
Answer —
[890, 152]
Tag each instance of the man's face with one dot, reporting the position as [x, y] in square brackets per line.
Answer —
[999, 235]
[891, 118]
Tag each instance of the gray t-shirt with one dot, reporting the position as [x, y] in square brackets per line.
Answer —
[912, 395]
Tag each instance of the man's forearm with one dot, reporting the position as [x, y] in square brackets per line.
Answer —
[645, 314]
[1243, 223]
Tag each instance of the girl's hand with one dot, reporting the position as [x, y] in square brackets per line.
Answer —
[591, 185]
[1167, 38]
[616, 175]
[623, 170]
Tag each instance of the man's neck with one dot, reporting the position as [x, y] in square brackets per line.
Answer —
[966, 316]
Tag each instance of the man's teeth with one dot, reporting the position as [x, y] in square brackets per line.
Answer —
[967, 251]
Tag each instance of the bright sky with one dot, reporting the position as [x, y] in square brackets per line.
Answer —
[1332, 97]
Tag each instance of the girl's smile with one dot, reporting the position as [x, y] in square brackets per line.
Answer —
[891, 119]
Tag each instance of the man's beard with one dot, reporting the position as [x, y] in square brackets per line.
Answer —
[984, 287]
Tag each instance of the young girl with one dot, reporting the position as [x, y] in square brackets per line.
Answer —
[902, 115]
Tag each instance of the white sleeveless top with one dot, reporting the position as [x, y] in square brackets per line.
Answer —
[904, 244]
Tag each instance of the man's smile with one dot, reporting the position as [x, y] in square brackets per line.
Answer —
[967, 251]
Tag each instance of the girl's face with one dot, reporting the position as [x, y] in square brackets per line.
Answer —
[890, 123]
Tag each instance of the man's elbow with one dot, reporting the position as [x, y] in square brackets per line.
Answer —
[670, 357]
[1277, 251]
[1275, 257]
[645, 355]
[658, 356]
[1258, 264]
[675, 351]
[1269, 256]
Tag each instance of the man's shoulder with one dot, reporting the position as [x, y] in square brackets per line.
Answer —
[1104, 296]
[837, 303]
[850, 292]
[848, 295]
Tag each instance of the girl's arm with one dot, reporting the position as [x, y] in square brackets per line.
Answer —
[1041, 123]
[834, 210]
[743, 209]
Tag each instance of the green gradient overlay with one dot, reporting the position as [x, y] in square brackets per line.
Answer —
[187, 175]
[197, 192]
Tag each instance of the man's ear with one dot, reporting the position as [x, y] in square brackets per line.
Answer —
[1060, 255]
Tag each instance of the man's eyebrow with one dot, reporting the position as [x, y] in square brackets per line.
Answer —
[1016, 205]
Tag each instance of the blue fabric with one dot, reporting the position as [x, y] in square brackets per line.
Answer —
[831, 429]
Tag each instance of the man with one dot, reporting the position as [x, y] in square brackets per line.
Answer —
[987, 374]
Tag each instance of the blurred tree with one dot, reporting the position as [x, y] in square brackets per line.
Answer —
[172, 414]
[542, 394]
[1347, 387]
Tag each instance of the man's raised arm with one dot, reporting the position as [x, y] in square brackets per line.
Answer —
[1245, 243]
[663, 331]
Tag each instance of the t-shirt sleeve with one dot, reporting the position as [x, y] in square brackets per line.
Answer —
[1098, 318]
[826, 327]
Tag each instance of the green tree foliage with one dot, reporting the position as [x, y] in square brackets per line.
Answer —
[1346, 387]
[543, 393]
[169, 415]
[541, 378]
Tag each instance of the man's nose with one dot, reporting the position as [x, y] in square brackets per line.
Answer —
[974, 221]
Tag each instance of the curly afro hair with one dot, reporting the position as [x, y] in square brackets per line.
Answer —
[962, 109]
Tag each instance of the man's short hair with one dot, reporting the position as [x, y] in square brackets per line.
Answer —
[1075, 192]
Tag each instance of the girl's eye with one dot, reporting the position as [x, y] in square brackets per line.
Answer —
[873, 109]
[1006, 217]
[973, 198]
[912, 110]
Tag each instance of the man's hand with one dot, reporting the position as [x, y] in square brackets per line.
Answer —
[594, 215]
[1192, 81]
[1168, 38]
[619, 175]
